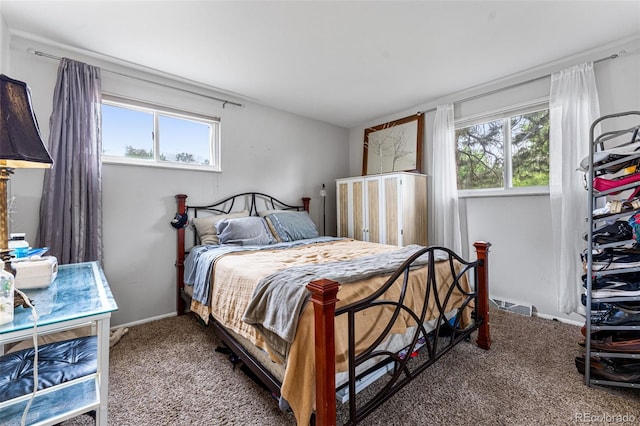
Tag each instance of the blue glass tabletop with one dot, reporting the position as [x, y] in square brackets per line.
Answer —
[79, 290]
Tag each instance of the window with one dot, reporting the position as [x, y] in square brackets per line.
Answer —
[505, 152]
[144, 134]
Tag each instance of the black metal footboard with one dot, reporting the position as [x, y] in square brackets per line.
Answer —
[447, 314]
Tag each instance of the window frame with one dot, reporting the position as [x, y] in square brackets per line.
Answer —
[156, 110]
[502, 114]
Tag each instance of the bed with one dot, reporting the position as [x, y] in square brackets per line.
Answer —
[379, 315]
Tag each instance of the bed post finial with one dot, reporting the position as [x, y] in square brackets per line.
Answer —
[482, 254]
[323, 296]
[305, 203]
[181, 201]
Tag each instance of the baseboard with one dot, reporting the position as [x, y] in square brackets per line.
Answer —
[514, 307]
[173, 314]
[563, 320]
[528, 310]
[145, 320]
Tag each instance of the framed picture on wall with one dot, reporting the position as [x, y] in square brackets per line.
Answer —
[395, 146]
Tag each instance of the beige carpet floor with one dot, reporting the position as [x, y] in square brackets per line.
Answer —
[167, 373]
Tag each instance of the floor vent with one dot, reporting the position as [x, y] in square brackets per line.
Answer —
[516, 308]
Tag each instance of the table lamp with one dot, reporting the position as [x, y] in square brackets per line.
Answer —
[20, 146]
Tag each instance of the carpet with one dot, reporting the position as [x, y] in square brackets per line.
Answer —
[167, 372]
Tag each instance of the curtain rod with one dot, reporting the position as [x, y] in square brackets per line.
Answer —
[531, 80]
[224, 101]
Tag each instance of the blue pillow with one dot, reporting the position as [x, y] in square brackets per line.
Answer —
[292, 226]
[244, 231]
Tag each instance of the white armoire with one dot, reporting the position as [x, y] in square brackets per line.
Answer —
[388, 208]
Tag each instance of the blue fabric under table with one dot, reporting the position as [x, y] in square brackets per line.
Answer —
[58, 362]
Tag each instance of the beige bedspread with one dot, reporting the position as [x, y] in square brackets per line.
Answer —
[236, 275]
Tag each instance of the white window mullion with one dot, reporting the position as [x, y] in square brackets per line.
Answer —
[214, 146]
[506, 131]
[156, 137]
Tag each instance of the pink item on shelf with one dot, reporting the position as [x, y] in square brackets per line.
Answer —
[602, 184]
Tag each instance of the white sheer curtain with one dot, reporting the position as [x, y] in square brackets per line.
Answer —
[446, 215]
[573, 107]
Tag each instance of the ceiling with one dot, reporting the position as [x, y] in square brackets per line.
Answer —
[341, 62]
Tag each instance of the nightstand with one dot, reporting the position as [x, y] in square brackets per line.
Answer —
[79, 296]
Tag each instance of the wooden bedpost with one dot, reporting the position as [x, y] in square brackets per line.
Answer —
[182, 208]
[323, 296]
[305, 203]
[482, 286]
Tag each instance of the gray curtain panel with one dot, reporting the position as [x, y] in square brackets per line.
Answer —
[71, 203]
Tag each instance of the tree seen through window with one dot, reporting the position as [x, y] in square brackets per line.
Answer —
[508, 152]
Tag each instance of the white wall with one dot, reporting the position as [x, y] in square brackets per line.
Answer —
[4, 44]
[263, 149]
[519, 227]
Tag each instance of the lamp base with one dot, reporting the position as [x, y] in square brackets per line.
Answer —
[5, 252]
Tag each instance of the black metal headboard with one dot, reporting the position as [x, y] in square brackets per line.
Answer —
[251, 201]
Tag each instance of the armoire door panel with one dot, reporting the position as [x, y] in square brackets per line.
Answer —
[415, 212]
[391, 204]
[358, 211]
[373, 211]
[343, 210]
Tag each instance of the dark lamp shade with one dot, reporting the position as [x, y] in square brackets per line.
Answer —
[21, 145]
